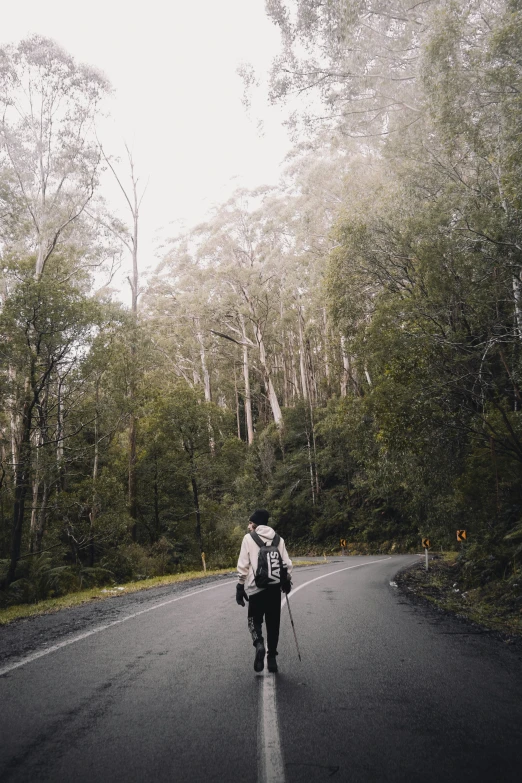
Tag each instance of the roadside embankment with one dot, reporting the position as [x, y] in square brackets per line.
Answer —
[50, 605]
[496, 605]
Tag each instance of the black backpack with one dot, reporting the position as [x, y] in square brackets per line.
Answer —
[270, 567]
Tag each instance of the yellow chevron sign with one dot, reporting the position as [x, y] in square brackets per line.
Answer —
[426, 543]
[343, 542]
[461, 535]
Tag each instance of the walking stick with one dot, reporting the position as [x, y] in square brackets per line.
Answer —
[293, 627]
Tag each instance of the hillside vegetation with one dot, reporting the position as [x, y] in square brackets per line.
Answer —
[343, 349]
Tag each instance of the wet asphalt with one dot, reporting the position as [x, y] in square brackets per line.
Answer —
[386, 691]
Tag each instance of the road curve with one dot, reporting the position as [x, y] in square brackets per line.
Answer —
[167, 692]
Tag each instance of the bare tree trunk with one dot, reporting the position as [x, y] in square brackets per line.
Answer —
[42, 516]
[157, 522]
[21, 487]
[132, 485]
[133, 438]
[134, 202]
[236, 395]
[302, 357]
[307, 379]
[325, 349]
[517, 294]
[310, 465]
[94, 502]
[246, 379]
[271, 392]
[248, 397]
[60, 429]
[34, 511]
[38, 515]
[312, 383]
[312, 427]
[195, 496]
[211, 439]
[133, 423]
[286, 395]
[206, 381]
[346, 368]
[284, 358]
[13, 424]
[204, 368]
[272, 396]
[295, 382]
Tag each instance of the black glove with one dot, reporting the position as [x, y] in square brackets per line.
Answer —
[286, 586]
[241, 596]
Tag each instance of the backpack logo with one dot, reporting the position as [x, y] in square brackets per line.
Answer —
[274, 567]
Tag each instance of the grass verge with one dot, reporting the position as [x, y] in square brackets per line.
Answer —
[51, 605]
[496, 605]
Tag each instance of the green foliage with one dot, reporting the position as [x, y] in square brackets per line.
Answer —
[40, 578]
[386, 271]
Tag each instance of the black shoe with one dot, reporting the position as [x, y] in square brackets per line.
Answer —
[272, 663]
[259, 662]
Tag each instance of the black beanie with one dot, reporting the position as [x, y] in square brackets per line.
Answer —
[260, 517]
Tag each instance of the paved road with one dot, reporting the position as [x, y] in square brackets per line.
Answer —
[385, 692]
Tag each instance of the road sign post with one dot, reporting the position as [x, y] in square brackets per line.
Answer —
[343, 546]
[426, 544]
[462, 537]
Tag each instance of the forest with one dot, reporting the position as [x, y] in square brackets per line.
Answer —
[343, 349]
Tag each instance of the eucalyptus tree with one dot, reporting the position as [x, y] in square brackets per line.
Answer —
[180, 303]
[48, 143]
[317, 189]
[186, 302]
[230, 272]
[129, 238]
[358, 61]
[424, 281]
[472, 81]
[50, 159]
[247, 257]
[47, 323]
[252, 275]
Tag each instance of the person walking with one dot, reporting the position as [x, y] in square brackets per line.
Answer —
[262, 576]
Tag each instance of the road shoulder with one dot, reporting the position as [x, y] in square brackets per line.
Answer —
[24, 636]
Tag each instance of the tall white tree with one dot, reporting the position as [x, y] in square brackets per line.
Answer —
[48, 145]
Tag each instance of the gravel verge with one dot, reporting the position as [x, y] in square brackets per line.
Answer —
[479, 612]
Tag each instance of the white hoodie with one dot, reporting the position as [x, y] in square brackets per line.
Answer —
[247, 561]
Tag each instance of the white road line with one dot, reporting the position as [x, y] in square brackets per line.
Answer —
[270, 763]
[46, 651]
[330, 573]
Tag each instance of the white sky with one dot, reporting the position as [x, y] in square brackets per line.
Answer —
[177, 96]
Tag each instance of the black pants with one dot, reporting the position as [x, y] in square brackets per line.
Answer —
[267, 605]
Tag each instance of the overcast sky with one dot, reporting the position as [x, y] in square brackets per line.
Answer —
[177, 98]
